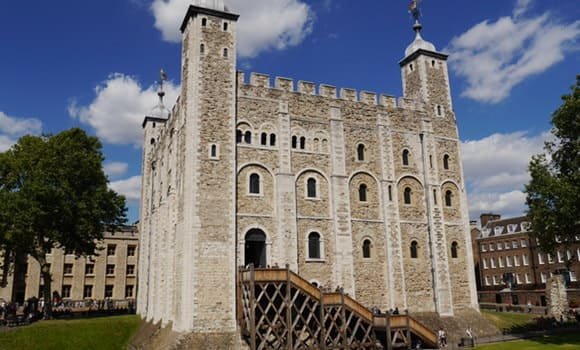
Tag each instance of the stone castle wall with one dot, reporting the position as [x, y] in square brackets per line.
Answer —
[197, 206]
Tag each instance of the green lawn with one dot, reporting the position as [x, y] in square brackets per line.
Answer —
[106, 333]
[559, 342]
[508, 320]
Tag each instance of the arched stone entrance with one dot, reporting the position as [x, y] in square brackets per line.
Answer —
[255, 248]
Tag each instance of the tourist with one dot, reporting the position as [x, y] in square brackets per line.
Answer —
[442, 336]
[396, 312]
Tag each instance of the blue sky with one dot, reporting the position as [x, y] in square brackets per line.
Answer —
[93, 64]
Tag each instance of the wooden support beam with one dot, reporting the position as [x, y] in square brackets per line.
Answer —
[252, 308]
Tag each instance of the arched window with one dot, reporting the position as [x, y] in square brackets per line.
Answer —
[272, 139]
[226, 53]
[311, 188]
[202, 49]
[414, 249]
[454, 250]
[225, 26]
[152, 141]
[302, 142]
[238, 136]
[366, 248]
[406, 157]
[255, 184]
[203, 22]
[362, 193]
[390, 192]
[213, 151]
[435, 197]
[448, 196]
[248, 137]
[314, 245]
[407, 195]
[446, 162]
[438, 110]
[294, 141]
[264, 139]
[360, 152]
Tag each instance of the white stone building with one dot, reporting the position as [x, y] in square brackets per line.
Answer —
[350, 189]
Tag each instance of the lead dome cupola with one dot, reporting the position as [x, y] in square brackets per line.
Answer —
[419, 43]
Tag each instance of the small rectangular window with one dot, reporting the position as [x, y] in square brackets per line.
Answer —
[66, 291]
[88, 291]
[130, 270]
[110, 269]
[111, 249]
[128, 291]
[109, 291]
[89, 269]
[68, 269]
[131, 250]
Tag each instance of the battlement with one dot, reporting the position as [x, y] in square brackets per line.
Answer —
[263, 81]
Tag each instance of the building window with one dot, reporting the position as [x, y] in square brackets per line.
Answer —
[573, 276]
[541, 259]
[435, 197]
[516, 260]
[506, 245]
[366, 248]
[68, 269]
[508, 261]
[494, 280]
[391, 198]
[130, 270]
[360, 152]
[110, 269]
[213, 152]
[528, 281]
[203, 22]
[492, 262]
[484, 247]
[446, 162]
[294, 141]
[202, 49]
[248, 137]
[109, 291]
[311, 188]
[499, 246]
[560, 257]
[238, 136]
[500, 262]
[448, 196]
[407, 195]
[431, 161]
[314, 245]
[515, 244]
[487, 280]
[225, 26]
[362, 193]
[111, 249]
[66, 291]
[128, 291]
[543, 277]
[491, 247]
[89, 269]
[454, 250]
[414, 250]
[272, 139]
[264, 139]
[569, 255]
[439, 112]
[226, 53]
[550, 259]
[88, 291]
[131, 250]
[485, 263]
[518, 279]
[525, 260]
[302, 142]
[405, 157]
[254, 184]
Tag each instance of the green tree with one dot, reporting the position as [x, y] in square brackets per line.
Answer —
[54, 194]
[553, 193]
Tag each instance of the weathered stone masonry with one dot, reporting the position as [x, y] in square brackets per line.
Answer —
[349, 169]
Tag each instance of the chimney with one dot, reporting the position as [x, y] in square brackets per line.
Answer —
[487, 217]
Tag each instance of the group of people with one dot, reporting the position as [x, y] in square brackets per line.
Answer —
[376, 311]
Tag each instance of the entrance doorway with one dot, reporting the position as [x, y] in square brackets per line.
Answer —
[255, 249]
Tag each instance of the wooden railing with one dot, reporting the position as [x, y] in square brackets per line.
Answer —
[277, 309]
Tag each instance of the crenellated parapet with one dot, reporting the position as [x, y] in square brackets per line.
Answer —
[261, 82]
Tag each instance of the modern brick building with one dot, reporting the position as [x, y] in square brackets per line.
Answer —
[348, 188]
[110, 273]
[513, 269]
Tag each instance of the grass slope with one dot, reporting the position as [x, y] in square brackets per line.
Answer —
[559, 342]
[508, 320]
[107, 333]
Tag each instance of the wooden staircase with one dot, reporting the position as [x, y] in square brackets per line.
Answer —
[277, 309]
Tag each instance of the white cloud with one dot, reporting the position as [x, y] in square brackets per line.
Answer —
[496, 170]
[494, 57]
[263, 24]
[11, 128]
[119, 107]
[130, 188]
[116, 168]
